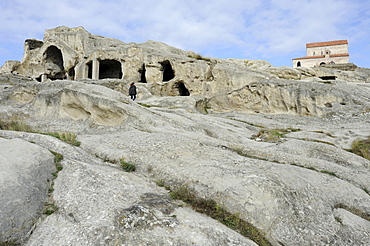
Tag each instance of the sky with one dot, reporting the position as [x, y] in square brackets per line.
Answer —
[273, 30]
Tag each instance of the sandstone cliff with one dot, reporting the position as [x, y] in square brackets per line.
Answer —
[266, 144]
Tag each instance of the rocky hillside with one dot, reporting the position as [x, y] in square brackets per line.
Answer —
[255, 155]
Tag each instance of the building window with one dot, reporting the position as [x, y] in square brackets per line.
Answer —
[322, 52]
[314, 53]
[298, 64]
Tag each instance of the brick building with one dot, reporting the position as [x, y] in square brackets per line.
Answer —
[332, 52]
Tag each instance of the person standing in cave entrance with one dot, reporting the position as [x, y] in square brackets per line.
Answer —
[132, 91]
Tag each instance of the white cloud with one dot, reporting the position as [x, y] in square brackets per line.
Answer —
[264, 29]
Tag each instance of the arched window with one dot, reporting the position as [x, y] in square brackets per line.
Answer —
[322, 63]
[314, 53]
[298, 64]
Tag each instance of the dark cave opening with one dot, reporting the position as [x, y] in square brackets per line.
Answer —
[110, 69]
[142, 71]
[183, 91]
[168, 72]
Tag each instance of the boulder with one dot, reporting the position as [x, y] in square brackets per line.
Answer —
[25, 177]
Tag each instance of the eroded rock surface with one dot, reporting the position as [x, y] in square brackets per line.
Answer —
[267, 144]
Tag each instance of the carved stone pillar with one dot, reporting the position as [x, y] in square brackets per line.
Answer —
[44, 77]
[95, 69]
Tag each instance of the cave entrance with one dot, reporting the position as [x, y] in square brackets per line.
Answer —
[110, 69]
[183, 91]
[89, 69]
[168, 72]
[142, 71]
[53, 58]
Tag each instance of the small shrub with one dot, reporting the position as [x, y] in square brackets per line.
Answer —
[69, 138]
[160, 182]
[361, 148]
[127, 167]
[50, 208]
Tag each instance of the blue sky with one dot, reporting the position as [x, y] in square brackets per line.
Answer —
[271, 30]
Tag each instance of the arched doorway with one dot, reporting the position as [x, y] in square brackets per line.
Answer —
[53, 58]
[183, 91]
[168, 72]
[298, 64]
[110, 69]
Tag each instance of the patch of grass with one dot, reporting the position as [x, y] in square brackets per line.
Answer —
[144, 105]
[366, 190]
[15, 124]
[7, 243]
[361, 148]
[57, 160]
[212, 209]
[160, 182]
[320, 141]
[355, 211]
[328, 172]
[314, 169]
[69, 138]
[271, 135]
[328, 134]
[127, 167]
[199, 57]
[50, 208]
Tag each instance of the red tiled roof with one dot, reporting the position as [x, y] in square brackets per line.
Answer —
[339, 55]
[329, 43]
[313, 57]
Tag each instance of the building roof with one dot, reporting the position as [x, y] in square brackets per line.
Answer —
[329, 43]
[315, 57]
